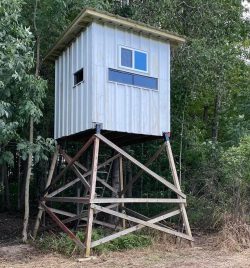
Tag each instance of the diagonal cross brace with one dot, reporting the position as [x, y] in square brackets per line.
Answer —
[66, 186]
[134, 228]
[145, 223]
[136, 162]
[63, 227]
[75, 158]
[88, 172]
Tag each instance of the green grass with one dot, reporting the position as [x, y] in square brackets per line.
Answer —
[61, 243]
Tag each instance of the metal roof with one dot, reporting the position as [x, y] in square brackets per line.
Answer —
[89, 15]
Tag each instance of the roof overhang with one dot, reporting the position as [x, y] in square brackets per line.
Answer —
[89, 15]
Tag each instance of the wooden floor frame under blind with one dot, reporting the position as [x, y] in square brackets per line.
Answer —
[115, 206]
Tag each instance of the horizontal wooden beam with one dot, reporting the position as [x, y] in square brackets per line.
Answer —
[71, 215]
[145, 223]
[83, 200]
[84, 214]
[140, 165]
[137, 200]
[134, 228]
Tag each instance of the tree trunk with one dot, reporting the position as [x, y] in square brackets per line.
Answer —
[6, 187]
[48, 182]
[2, 188]
[215, 127]
[27, 186]
[205, 114]
[31, 138]
[19, 184]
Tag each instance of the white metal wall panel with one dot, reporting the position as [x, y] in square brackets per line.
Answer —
[128, 108]
[73, 103]
[117, 106]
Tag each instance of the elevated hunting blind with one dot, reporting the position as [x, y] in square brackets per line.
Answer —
[112, 71]
[112, 86]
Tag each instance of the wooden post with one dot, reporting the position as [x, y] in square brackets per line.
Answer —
[92, 196]
[78, 194]
[115, 174]
[48, 182]
[177, 184]
[121, 179]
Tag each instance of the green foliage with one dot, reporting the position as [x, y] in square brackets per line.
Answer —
[236, 160]
[21, 93]
[129, 241]
[235, 186]
[210, 87]
[63, 244]
[40, 149]
[210, 83]
[60, 243]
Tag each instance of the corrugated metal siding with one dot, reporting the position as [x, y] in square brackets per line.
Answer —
[73, 103]
[127, 108]
[119, 107]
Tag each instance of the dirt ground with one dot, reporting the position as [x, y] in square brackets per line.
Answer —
[204, 254]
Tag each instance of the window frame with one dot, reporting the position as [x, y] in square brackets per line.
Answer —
[133, 59]
[74, 75]
[132, 84]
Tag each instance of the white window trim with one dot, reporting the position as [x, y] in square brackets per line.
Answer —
[133, 59]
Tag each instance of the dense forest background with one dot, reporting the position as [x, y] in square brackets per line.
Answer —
[210, 83]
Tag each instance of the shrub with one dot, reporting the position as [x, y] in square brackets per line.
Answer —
[61, 243]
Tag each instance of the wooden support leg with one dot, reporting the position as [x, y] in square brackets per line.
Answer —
[121, 179]
[63, 227]
[177, 184]
[48, 182]
[91, 197]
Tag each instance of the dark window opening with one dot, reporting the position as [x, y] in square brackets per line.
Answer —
[78, 77]
[133, 79]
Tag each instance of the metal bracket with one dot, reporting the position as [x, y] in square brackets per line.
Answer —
[98, 128]
[166, 136]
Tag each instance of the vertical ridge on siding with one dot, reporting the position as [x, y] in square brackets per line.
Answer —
[64, 111]
[60, 115]
[71, 83]
[88, 85]
[56, 96]
[81, 106]
[67, 89]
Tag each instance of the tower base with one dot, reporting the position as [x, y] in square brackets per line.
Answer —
[91, 204]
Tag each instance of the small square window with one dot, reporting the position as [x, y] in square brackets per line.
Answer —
[140, 61]
[133, 59]
[78, 77]
[126, 57]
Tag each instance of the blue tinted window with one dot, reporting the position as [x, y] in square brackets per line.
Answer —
[126, 57]
[140, 61]
[133, 79]
[145, 81]
[121, 77]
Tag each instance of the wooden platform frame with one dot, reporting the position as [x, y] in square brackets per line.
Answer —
[116, 206]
